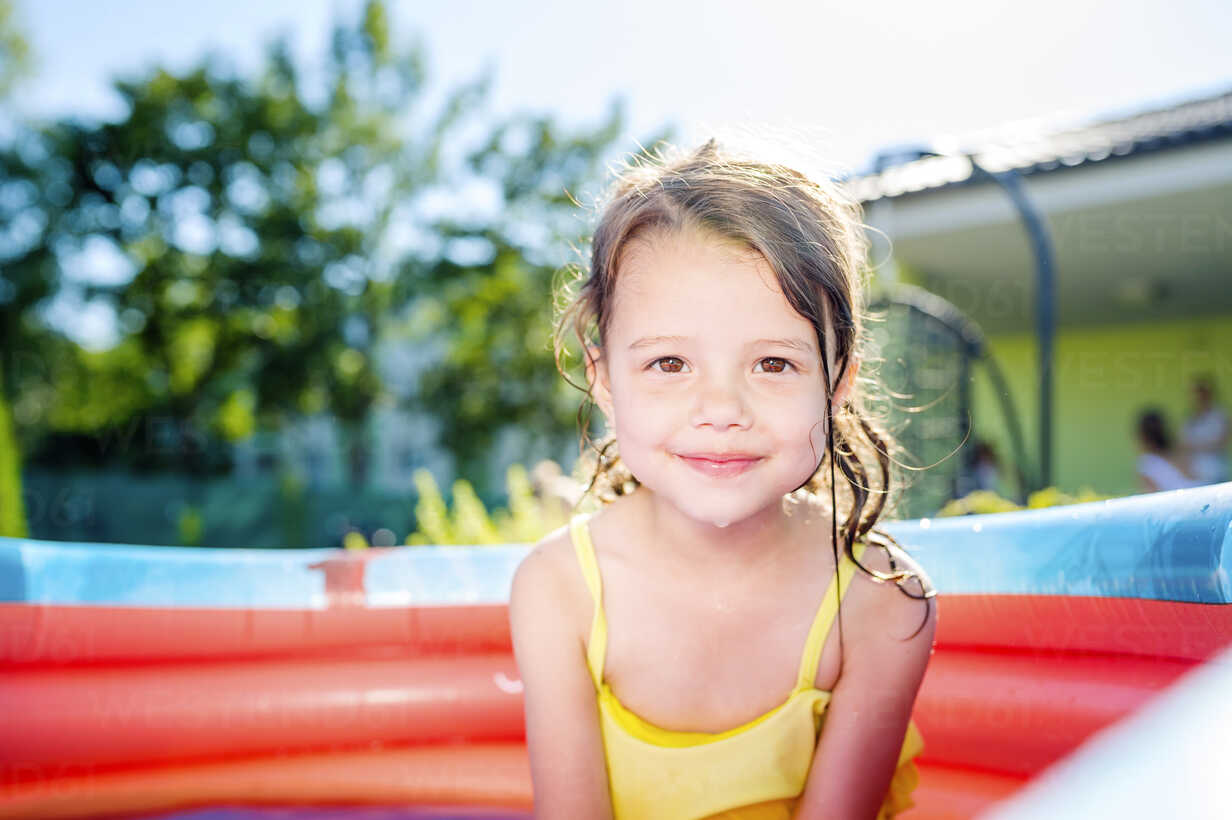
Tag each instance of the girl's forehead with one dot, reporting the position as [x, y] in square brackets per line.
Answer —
[684, 285]
[660, 275]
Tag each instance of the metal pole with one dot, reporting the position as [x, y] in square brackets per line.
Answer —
[1045, 287]
[1045, 303]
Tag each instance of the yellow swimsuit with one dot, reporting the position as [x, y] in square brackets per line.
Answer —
[756, 771]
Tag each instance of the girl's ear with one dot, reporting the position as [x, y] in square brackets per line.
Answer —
[598, 378]
[847, 382]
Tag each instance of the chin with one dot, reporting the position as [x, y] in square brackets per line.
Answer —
[726, 515]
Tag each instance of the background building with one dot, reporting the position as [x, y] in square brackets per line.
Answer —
[1140, 214]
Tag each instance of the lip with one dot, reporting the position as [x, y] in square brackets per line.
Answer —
[720, 465]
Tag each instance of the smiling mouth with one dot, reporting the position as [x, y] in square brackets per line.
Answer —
[720, 468]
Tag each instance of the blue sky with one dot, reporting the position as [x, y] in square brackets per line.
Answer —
[841, 78]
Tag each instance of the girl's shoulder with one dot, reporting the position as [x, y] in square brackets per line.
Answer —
[898, 597]
[553, 560]
[560, 565]
[890, 590]
[888, 557]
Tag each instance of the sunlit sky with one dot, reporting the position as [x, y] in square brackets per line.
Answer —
[844, 78]
[829, 83]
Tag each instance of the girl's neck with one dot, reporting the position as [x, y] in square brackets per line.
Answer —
[687, 545]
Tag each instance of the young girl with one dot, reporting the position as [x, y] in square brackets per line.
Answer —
[675, 647]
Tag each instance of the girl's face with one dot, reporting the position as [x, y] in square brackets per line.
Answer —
[712, 383]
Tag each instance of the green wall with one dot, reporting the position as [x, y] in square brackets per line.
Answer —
[1102, 377]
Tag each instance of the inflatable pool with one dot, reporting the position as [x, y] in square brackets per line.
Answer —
[199, 683]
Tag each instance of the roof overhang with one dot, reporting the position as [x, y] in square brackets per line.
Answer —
[1137, 237]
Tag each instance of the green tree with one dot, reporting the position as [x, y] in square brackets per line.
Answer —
[253, 223]
[498, 375]
[271, 235]
[14, 62]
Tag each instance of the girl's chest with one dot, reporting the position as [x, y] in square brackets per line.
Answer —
[685, 657]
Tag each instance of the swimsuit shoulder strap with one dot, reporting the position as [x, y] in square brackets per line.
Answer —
[579, 531]
[825, 618]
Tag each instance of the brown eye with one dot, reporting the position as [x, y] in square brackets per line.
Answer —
[778, 366]
[674, 365]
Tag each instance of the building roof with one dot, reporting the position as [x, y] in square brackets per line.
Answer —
[1046, 151]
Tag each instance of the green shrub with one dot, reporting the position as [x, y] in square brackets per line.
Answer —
[527, 519]
[12, 510]
[191, 526]
[986, 501]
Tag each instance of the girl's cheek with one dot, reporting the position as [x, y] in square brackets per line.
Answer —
[817, 435]
[649, 388]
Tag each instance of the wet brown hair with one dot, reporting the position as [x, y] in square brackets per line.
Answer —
[811, 235]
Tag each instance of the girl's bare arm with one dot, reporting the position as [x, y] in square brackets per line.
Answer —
[871, 705]
[563, 738]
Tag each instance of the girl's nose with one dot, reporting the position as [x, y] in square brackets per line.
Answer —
[721, 405]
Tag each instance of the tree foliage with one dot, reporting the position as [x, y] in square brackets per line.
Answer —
[14, 62]
[255, 239]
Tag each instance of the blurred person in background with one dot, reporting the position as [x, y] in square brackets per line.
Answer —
[1204, 438]
[987, 467]
[1158, 467]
